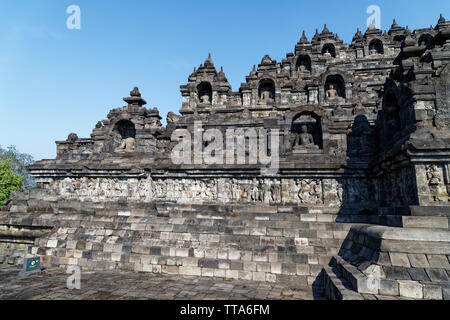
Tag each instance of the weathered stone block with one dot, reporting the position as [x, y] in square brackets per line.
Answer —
[418, 260]
[389, 287]
[399, 259]
[437, 275]
[396, 273]
[410, 289]
[418, 274]
[259, 276]
[438, 261]
[432, 292]
[187, 270]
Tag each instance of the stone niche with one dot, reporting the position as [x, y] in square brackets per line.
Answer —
[335, 89]
[303, 64]
[124, 135]
[266, 91]
[376, 47]
[329, 50]
[306, 133]
[205, 93]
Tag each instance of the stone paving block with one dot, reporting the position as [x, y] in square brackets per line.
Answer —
[446, 292]
[438, 261]
[437, 275]
[188, 270]
[259, 276]
[418, 260]
[399, 259]
[389, 287]
[396, 273]
[207, 272]
[410, 289]
[432, 292]
[232, 274]
[245, 275]
[418, 274]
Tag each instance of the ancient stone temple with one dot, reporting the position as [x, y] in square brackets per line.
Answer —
[356, 193]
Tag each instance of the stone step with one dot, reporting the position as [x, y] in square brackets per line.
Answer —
[437, 211]
[336, 287]
[433, 222]
[376, 280]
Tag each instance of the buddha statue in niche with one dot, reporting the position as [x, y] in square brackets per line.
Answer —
[126, 133]
[331, 92]
[126, 146]
[265, 96]
[304, 140]
[205, 99]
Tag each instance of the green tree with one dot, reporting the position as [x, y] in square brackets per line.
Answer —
[19, 162]
[8, 181]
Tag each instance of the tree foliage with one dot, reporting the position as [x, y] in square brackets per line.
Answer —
[19, 162]
[8, 181]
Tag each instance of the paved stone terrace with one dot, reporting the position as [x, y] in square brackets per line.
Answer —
[116, 285]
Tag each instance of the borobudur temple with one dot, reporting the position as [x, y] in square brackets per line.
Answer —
[356, 195]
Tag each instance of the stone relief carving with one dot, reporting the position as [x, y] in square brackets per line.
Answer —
[300, 191]
[310, 191]
[438, 192]
[433, 175]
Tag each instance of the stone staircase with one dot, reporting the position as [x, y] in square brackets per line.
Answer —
[248, 242]
[351, 256]
[391, 262]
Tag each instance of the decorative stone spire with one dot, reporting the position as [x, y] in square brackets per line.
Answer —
[358, 35]
[409, 41]
[394, 24]
[395, 29]
[266, 60]
[253, 72]
[441, 19]
[316, 35]
[221, 75]
[135, 98]
[208, 62]
[337, 37]
[325, 30]
[304, 39]
[371, 26]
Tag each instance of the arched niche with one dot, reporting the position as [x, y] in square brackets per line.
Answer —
[266, 90]
[124, 132]
[204, 92]
[303, 64]
[125, 129]
[426, 40]
[334, 87]
[306, 124]
[376, 47]
[329, 50]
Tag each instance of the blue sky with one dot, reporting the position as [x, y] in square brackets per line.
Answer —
[54, 81]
